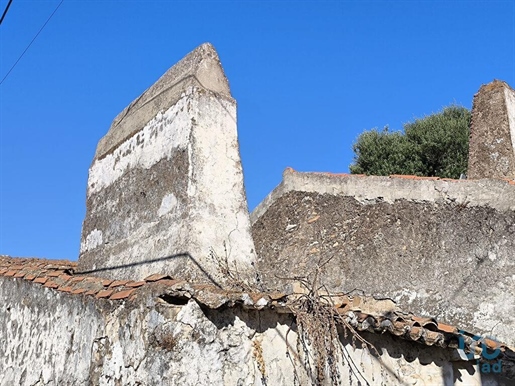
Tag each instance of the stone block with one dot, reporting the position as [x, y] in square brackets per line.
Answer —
[492, 132]
[165, 189]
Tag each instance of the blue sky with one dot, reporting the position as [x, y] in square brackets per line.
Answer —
[308, 78]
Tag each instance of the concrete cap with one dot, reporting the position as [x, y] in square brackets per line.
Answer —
[496, 193]
[200, 68]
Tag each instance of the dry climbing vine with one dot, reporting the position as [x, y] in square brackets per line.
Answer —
[233, 278]
[319, 326]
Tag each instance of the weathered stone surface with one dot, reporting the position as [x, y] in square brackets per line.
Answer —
[492, 132]
[437, 248]
[150, 341]
[165, 189]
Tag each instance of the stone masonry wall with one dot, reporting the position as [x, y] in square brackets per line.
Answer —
[443, 249]
[53, 337]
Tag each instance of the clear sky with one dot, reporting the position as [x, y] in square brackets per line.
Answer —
[308, 78]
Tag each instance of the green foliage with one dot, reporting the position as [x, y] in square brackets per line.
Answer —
[436, 145]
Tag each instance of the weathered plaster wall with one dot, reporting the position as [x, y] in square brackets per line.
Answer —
[438, 248]
[165, 190]
[56, 338]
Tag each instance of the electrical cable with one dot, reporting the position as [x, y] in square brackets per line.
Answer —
[32, 41]
[5, 11]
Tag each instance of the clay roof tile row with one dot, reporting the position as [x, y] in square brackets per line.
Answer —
[60, 277]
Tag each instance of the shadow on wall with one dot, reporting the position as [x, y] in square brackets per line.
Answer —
[400, 362]
[406, 360]
[184, 255]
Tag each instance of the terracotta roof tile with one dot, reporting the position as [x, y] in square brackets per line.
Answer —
[406, 176]
[51, 284]
[167, 282]
[121, 294]
[20, 274]
[55, 273]
[156, 277]
[416, 332]
[104, 293]
[423, 321]
[10, 273]
[65, 288]
[41, 280]
[119, 283]
[431, 338]
[135, 284]
[30, 276]
[78, 291]
[447, 328]
[492, 344]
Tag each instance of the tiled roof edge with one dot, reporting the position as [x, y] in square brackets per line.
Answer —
[59, 276]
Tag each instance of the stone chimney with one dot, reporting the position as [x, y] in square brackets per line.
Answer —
[492, 132]
[165, 189]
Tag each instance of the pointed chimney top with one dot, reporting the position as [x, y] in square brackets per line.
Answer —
[200, 68]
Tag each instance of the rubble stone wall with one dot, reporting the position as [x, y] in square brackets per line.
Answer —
[441, 249]
[54, 338]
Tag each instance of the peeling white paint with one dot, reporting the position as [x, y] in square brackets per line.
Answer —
[168, 203]
[93, 240]
[191, 190]
[486, 318]
[510, 107]
[406, 294]
[168, 131]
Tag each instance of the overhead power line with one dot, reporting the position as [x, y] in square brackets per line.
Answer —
[5, 11]
[32, 41]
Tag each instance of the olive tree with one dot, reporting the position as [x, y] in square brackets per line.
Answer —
[436, 145]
